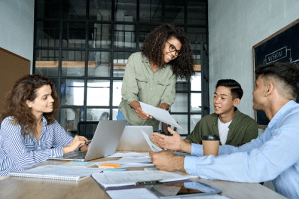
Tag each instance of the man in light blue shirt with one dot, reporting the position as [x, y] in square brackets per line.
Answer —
[274, 155]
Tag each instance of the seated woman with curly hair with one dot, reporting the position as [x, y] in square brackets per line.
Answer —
[150, 75]
[29, 133]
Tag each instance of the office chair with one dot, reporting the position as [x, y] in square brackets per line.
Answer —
[88, 128]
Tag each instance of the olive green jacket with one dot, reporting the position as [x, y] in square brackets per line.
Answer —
[241, 130]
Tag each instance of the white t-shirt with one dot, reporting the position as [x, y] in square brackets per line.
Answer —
[223, 131]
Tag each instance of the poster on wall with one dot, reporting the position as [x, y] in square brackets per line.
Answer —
[282, 46]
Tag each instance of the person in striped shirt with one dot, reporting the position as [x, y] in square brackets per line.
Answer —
[29, 132]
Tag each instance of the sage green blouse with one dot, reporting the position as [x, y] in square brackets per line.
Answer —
[142, 85]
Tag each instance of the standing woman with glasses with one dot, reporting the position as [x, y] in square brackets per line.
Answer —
[151, 74]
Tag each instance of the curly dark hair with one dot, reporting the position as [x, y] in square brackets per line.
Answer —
[154, 44]
[23, 90]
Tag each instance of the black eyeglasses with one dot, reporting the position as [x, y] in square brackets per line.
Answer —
[173, 49]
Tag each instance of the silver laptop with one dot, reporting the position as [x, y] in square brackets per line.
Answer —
[133, 140]
[104, 142]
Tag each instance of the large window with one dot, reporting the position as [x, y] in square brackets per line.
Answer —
[83, 46]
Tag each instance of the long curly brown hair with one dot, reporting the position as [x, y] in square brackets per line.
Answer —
[23, 90]
[154, 44]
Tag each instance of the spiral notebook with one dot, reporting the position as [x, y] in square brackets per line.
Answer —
[57, 172]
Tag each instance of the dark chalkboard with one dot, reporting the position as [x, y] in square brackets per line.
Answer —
[282, 46]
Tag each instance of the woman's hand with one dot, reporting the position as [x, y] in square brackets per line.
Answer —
[139, 112]
[164, 106]
[85, 147]
[142, 115]
[78, 141]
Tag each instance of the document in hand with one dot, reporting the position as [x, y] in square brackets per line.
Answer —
[57, 172]
[127, 178]
[152, 145]
[159, 114]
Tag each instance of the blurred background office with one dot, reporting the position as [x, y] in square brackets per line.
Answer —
[83, 47]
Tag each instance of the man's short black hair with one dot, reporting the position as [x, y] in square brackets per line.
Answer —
[287, 72]
[235, 87]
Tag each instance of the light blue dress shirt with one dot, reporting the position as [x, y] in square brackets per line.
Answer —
[18, 152]
[274, 155]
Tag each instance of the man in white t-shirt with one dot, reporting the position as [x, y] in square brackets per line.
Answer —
[232, 126]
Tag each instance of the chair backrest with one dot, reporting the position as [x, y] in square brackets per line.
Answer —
[87, 128]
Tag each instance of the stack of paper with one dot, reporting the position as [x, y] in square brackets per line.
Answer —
[57, 172]
[125, 162]
[108, 180]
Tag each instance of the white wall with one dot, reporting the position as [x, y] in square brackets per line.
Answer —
[234, 27]
[17, 27]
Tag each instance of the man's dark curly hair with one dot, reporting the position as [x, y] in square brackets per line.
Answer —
[154, 44]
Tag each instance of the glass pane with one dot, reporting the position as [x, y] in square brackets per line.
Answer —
[125, 10]
[174, 11]
[99, 64]
[55, 82]
[74, 10]
[193, 121]
[46, 62]
[150, 11]
[73, 63]
[196, 36]
[196, 12]
[181, 84]
[69, 118]
[47, 34]
[119, 63]
[182, 120]
[143, 31]
[117, 92]
[124, 36]
[99, 35]
[181, 103]
[196, 82]
[73, 35]
[197, 62]
[98, 92]
[48, 9]
[114, 114]
[97, 114]
[72, 92]
[100, 10]
[195, 102]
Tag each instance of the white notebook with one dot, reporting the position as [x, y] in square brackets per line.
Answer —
[57, 172]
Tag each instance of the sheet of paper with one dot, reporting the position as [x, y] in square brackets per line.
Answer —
[140, 193]
[152, 145]
[135, 160]
[63, 170]
[132, 154]
[126, 163]
[78, 163]
[131, 177]
[159, 114]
